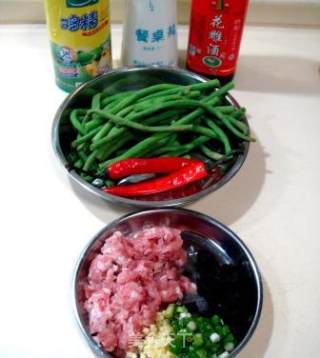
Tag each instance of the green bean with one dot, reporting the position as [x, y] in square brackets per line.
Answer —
[95, 104]
[139, 94]
[115, 97]
[109, 183]
[182, 104]
[221, 134]
[172, 97]
[111, 105]
[113, 147]
[136, 150]
[211, 99]
[85, 138]
[78, 164]
[120, 131]
[168, 92]
[100, 155]
[169, 141]
[148, 153]
[83, 155]
[125, 111]
[86, 177]
[141, 127]
[107, 139]
[241, 125]
[75, 120]
[109, 126]
[90, 161]
[239, 113]
[163, 143]
[122, 112]
[140, 146]
[81, 146]
[227, 122]
[162, 117]
[217, 133]
[194, 94]
[117, 132]
[183, 149]
[72, 157]
[210, 153]
[178, 104]
[96, 101]
[223, 90]
[226, 109]
[203, 86]
[144, 105]
[87, 118]
[206, 132]
[114, 133]
[184, 90]
[102, 132]
[94, 123]
[208, 108]
[141, 106]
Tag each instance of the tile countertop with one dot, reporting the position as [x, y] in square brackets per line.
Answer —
[272, 203]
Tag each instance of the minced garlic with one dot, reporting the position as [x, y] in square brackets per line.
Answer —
[157, 340]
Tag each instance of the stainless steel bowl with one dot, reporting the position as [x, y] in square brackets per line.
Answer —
[119, 81]
[237, 298]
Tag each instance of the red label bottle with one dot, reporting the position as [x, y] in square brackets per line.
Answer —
[216, 28]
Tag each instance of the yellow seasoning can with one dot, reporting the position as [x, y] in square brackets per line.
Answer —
[80, 40]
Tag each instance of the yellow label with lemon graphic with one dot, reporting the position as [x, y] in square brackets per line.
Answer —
[80, 40]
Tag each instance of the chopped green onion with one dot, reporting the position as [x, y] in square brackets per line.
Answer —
[197, 340]
[181, 309]
[192, 326]
[198, 337]
[169, 312]
[229, 347]
[215, 320]
[223, 355]
[185, 315]
[201, 353]
[225, 330]
[229, 338]
[214, 337]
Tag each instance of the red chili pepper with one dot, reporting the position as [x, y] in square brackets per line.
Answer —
[131, 166]
[193, 172]
[188, 190]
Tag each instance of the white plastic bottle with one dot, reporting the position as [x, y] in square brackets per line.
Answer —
[150, 33]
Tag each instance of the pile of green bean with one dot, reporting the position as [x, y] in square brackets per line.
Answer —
[160, 120]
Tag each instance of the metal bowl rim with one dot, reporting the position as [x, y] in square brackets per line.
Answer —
[131, 202]
[231, 235]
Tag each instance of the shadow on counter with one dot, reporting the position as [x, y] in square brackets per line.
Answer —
[278, 74]
[98, 207]
[232, 201]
